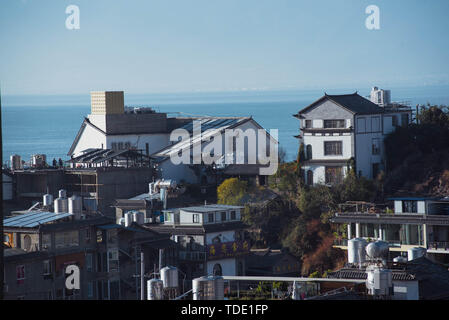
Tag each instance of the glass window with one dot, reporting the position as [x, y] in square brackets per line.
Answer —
[233, 215]
[334, 124]
[47, 267]
[376, 146]
[308, 123]
[90, 289]
[410, 206]
[210, 217]
[196, 218]
[334, 175]
[89, 261]
[223, 216]
[333, 148]
[20, 273]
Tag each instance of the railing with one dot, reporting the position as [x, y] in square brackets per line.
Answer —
[341, 242]
[192, 255]
[438, 245]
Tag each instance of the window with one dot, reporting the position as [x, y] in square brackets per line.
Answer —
[404, 119]
[47, 267]
[46, 241]
[309, 152]
[113, 262]
[196, 218]
[90, 289]
[334, 124]
[334, 175]
[308, 123]
[89, 261]
[217, 271]
[99, 236]
[27, 243]
[210, 217]
[361, 125]
[233, 215]
[375, 146]
[394, 120]
[114, 145]
[310, 177]
[67, 239]
[333, 148]
[410, 206]
[20, 273]
[223, 216]
[147, 149]
[88, 235]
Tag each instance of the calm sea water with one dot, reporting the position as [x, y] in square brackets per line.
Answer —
[49, 124]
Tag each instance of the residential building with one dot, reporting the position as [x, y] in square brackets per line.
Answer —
[415, 222]
[211, 239]
[40, 244]
[271, 262]
[341, 131]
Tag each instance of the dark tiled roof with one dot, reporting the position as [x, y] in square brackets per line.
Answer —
[352, 102]
[351, 273]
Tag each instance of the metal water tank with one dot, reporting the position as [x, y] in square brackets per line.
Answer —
[378, 250]
[400, 259]
[128, 219]
[61, 205]
[208, 288]
[356, 250]
[16, 162]
[47, 200]
[138, 217]
[169, 276]
[415, 253]
[62, 193]
[379, 281]
[155, 289]
[75, 204]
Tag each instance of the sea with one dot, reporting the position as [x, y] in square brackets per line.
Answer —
[48, 124]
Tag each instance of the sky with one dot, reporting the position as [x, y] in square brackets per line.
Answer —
[148, 46]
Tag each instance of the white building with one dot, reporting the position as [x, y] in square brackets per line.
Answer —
[337, 129]
[210, 237]
[111, 126]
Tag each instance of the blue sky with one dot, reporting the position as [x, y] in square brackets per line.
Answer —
[220, 45]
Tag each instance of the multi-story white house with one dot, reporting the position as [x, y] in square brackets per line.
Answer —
[336, 129]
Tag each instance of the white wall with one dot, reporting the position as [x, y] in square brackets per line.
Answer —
[228, 266]
[90, 138]
[317, 143]
[405, 290]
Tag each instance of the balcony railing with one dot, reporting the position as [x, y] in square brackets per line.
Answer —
[192, 255]
[438, 245]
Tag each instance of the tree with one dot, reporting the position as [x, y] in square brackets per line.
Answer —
[434, 115]
[231, 191]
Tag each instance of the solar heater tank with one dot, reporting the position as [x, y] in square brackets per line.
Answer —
[75, 206]
[208, 288]
[47, 199]
[61, 205]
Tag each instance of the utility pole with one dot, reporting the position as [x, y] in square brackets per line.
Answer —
[142, 277]
[2, 270]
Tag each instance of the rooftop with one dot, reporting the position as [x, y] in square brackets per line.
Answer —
[352, 102]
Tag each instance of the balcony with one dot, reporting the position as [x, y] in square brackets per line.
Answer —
[438, 245]
[192, 255]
